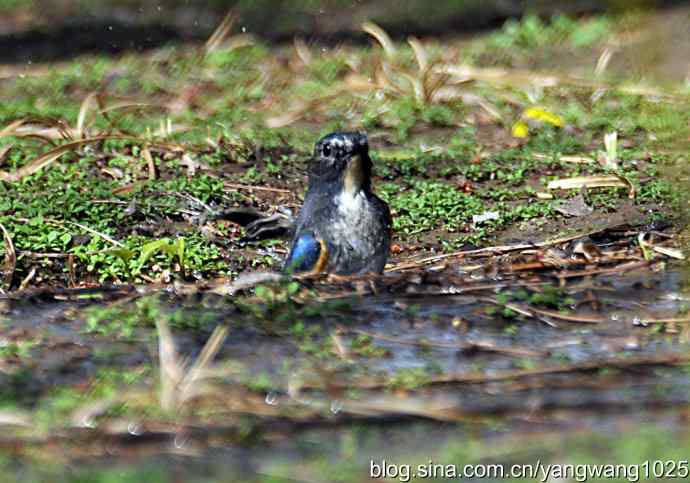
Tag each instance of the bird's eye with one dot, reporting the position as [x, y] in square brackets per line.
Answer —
[326, 151]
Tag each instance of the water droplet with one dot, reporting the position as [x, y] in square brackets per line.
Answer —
[134, 429]
[632, 345]
[272, 398]
[336, 406]
[180, 441]
[88, 422]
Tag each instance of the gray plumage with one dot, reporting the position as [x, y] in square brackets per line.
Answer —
[341, 209]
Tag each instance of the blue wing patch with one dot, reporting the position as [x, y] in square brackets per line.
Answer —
[308, 254]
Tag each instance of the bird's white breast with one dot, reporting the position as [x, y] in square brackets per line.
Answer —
[350, 204]
[351, 218]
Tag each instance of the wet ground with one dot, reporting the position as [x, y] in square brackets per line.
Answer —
[413, 371]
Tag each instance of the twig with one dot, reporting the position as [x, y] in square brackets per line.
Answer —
[43, 255]
[257, 188]
[97, 233]
[598, 271]
[527, 312]
[27, 280]
[679, 320]
[569, 317]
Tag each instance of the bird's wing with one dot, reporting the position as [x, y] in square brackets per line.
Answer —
[308, 254]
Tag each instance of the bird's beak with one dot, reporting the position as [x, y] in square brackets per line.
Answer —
[361, 139]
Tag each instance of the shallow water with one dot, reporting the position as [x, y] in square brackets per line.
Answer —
[372, 422]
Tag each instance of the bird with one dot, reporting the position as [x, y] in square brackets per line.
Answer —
[343, 228]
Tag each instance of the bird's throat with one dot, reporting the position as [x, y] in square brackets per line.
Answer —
[353, 179]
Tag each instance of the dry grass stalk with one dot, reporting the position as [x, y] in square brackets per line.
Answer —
[302, 50]
[49, 158]
[97, 233]
[4, 150]
[27, 280]
[11, 129]
[567, 158]
[220, 34]
[220, 37]
[10, 263]
[15, 417]
[180, 382]
[146, 153]
[382, 38]
[83, 111]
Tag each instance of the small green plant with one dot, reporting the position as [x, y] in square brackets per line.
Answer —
[409, 379]
[124, 321]
[19, 349]
[428, 205]
[363, 345]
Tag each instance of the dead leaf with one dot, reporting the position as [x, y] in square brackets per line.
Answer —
[669, 252]
[607, 181]
[587, 248]
[575, 206]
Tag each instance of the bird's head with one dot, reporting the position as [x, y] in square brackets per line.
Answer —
[342, 158]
